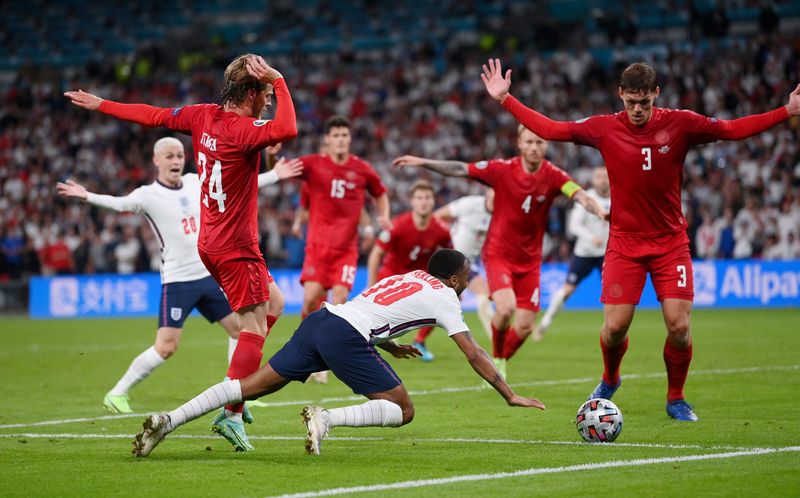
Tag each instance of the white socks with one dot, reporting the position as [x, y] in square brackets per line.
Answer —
[373, 413]
[140, 368]
[225, 393]
[231, 347]
[555, 304]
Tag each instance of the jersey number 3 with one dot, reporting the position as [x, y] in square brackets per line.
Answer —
[648, 159]
[214, 182]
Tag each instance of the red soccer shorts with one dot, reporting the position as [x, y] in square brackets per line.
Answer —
[629, 259]
[244, 280]
[329, 266]
[523, 279]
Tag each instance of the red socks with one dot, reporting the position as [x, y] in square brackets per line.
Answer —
[246, 360]
[677, 362]
[498, 340]
[423, 334]
[612, 358]
[512, 343]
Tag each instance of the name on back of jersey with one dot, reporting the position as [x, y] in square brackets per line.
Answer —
[209, 142]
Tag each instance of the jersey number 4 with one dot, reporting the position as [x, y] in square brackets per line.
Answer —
[214, 182]
[389, 293]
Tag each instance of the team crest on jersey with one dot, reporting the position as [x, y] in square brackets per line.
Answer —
[260, 122]
[481, 164]
[541, 198]
[184, 203]
[175, 313]
[350, 185]
[663, 149]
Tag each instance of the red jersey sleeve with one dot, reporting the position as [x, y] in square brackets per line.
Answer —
[702, 129]
[304, 196]
[487, 172]
[259, 133]
[586, 131]
[177, 118]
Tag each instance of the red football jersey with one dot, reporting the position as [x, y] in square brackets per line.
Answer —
[227, 148]
[521, 205]
[645, 164]
[336, 197]
[407, 247]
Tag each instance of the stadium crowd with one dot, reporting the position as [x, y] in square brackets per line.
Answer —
[742, 199]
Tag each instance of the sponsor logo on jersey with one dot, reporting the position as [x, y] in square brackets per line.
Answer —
[260, 122]
[208, 142]
[663, 149]
[541, 198]
[482, 164]
[175, 313]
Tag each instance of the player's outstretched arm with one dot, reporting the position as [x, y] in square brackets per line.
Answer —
[497, 86]
[444, 213]
[738, 129]
[123, 204]
[283, 169]
[590, 204]
[446, 168]
[142, 114]
[482, 364]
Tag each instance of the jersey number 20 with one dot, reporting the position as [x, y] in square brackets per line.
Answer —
[389, 293]
[214, 183]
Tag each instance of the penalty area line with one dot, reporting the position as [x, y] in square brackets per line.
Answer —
[428, 392]
[32, 435]
[639, 462]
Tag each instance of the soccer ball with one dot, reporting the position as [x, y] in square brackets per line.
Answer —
[599, 421]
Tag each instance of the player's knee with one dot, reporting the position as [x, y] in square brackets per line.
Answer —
[408, 412]
[524, 329]
[505, 312]
[166, 349]
[678, 329]
[617, 328]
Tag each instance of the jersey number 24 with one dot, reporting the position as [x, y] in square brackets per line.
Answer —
[214, 182]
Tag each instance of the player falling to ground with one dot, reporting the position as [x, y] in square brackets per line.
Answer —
[644, 148]
[228, 140]
[591, 237]
[409, 245]
[470, 217]
[172, 208]
[525, 187]
[337, 181]
[343, 338]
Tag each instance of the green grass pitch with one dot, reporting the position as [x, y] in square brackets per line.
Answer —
[744, 383]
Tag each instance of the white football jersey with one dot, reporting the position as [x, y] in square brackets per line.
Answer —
[401, 303]
[174, 216]
[587, 227]
[471, 223]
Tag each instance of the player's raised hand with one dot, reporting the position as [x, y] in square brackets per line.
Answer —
[525, 402]
[84, 99]
[496, 83]
[794, 102]
[288, 168]
[407, 160]
[70, 188]
[258, 68]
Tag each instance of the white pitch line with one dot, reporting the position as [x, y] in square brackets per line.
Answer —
[445, 390]
[538, 471]
[406, 440]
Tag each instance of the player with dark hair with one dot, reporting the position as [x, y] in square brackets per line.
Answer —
[228, 139]
[409, 245]
[337, 181]
[525, 187]
[644, 148]
[343, 338]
